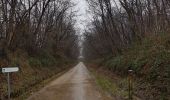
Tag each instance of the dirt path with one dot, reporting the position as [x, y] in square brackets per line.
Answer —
[76, 84]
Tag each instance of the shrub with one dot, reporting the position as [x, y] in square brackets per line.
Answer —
[14, 62]
[34, 62]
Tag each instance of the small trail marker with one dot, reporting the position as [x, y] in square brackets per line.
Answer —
[130, 84]
[9, 70]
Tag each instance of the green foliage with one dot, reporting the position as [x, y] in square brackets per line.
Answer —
[115, 64]
[117, 88]
[34, 62]
[47, 59]
[15, 62]
[33, 70]
[43, 59]
[150, 58]
[150, 61]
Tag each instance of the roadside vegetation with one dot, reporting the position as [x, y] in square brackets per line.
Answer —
[39, 37]
[32, 71]
[112, 85]
[131, 34]
[150, 63]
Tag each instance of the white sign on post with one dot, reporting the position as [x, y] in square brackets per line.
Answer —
[10, 69]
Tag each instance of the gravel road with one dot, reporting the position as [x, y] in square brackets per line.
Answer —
[76, 84]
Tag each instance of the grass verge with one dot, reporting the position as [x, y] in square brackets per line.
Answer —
[112, 84]
[150, 61]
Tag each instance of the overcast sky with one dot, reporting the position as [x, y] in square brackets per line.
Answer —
[82, 18]
[81, 7]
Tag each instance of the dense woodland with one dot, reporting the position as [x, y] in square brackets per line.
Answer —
[131, 34]
[38, 25]
[39, 37]
[116, 24]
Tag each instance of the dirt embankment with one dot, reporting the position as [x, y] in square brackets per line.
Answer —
[32, 71]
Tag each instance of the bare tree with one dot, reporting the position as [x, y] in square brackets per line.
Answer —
[120, 22]
[34, 24]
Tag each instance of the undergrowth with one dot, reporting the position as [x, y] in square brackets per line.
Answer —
[113, 88]
[32, 70]
[151, 58]
[150, 61]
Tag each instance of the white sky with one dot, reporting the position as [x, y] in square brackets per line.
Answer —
[82, 17]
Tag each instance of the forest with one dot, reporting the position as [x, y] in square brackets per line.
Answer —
[116, 24]
[35, 25]
[38, 36]
[44, 40]
[131, 35]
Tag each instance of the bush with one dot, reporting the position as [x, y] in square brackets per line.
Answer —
[14, 62]
[151, 58]
[114, 63]
[43, 59]
[47, 59]
[34, 62]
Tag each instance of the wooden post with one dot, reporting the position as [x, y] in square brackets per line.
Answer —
[130, 83]
[9, 88]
